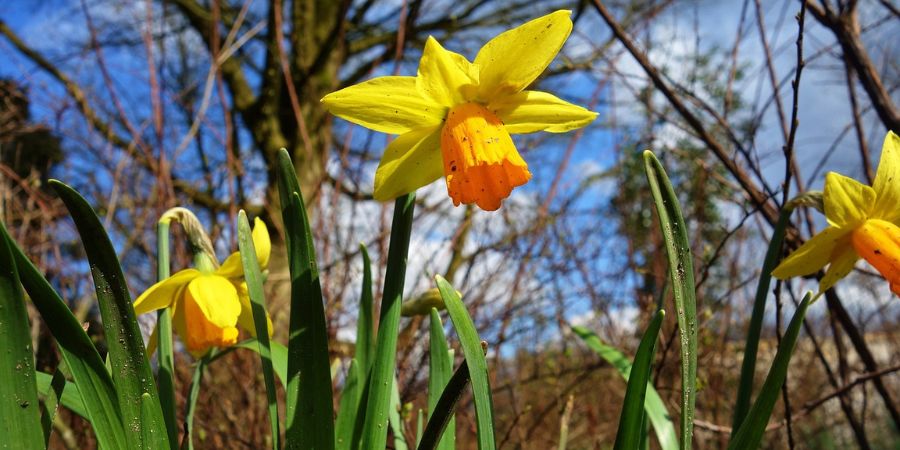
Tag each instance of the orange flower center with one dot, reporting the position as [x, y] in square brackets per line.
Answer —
[201, 333]
[878, 242]
[481, 163]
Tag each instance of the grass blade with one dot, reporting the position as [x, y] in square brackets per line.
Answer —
[279, 356]
[190, 404]
[653, 404]
[365, 328]
[751, 344]
[309, 410]
[440, 369]
[52, 397]
[381, 376]
[81, 357]
[631, 420]
[253, 278]
[70, 398]
[395, 420]
[349, 406]
[133, 377]
[445, 408]
[681, 271]
[750, 434]
[478, 370]
[165, 347]
[20, 415]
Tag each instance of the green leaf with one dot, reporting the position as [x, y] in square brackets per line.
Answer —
[751, 344]
[70, 397]
[279, 356]
[165, 347]
[309, 410]
[750, 434]
[445, 408]
[20, 414]
[378, 397]
[132, 375]
[253, 278]
[631, 420]
[51, 395]
[349, 406]
[681, 271]
[653, 404]
[190, 404]
[478, 370]
[395, 420]
[81, 357]
[440, 369]
[365, 328]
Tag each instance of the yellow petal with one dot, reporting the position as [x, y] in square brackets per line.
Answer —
[152, 342]
[245, 320]
[445, 77]
[216, 298]
[813, 254]
[386, 104]
[515, 58]
[164, 293]
[233, 267]
[531, 111]
[841, 265]
[887, 181]
[847, 201]
[261, 243]
[411, 161]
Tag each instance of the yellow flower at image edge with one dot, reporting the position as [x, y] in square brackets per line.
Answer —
[455, 117]
[864, 222]
[207, 307]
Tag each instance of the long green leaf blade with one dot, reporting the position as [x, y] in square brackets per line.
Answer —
[253, 278]
[378, 398]
[70, 397]
[440, 369]
[279, 356]
[749, 436]
[754, 329]
[445, 408]
[309, 410]
[365, 328]
[478, 370]
[165, 347]
[51, 398]
[348, 408]
[394, 418]
[190, 404]
[132, 375]
[659, 417]
[20, 414]
[79, 353]
[681, 271]
[631, 420]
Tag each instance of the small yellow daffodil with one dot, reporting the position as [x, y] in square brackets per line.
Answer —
[208, 304]
[455, 117]
[864, 222]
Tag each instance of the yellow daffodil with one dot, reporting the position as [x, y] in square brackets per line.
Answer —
[864, 222]
[455, 117]
[208, 304]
